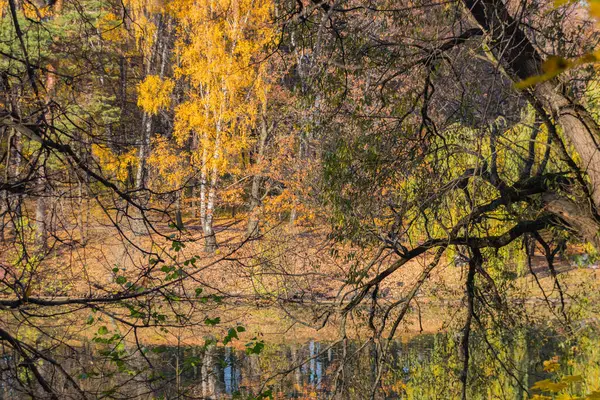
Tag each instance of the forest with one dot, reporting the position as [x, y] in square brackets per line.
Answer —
[300, 199]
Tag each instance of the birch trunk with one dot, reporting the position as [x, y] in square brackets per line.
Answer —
[16, 201]
[156, 63]
[203, 181]
[140, 180]
[41, 209]
[5, 197]
[210, 239]
[41, 229]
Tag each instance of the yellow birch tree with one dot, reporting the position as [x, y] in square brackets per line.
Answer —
[220, 47]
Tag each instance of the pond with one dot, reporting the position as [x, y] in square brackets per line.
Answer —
[504, 364]
[424, 367]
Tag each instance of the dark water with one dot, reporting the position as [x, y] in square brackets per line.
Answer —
[503, 366]
[425, 367]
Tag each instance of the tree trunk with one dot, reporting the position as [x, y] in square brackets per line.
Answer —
[144, 151]
[209, 234]
[521, 60]
[293, 215]
[156, 62]
[136, 217]
[84, 198]
[123, 133]
[178, 216]
[253, 228]
[203, 182]
[580, 128]
[41, 229]
[80, 220]
[576, 215]
[294, 210]
[3, 214]
[41, 209]
[5, 197]
[16, 201]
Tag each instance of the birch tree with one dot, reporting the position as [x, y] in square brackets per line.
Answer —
[220, 44]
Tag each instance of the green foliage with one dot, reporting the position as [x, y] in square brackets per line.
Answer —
[255, 347]
[213, 321]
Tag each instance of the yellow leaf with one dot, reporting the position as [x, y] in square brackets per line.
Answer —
[551, 365]
[565, 396]
[555, 65]
[154, 93]
[595, 8]
[529, 82]
[541, 384]
[572, 378]
[559, 3]
[549, 386]
[552, 67]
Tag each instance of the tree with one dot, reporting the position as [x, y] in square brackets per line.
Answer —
[431, 151]
[220, 47]
[408, 134]
[513, 49]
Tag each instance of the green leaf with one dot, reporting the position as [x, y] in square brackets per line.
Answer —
[255, 347]
[231, 334]
[177, 245]
[212, 322]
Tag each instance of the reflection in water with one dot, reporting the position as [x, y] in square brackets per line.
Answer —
[426, 367]
[503, 366]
